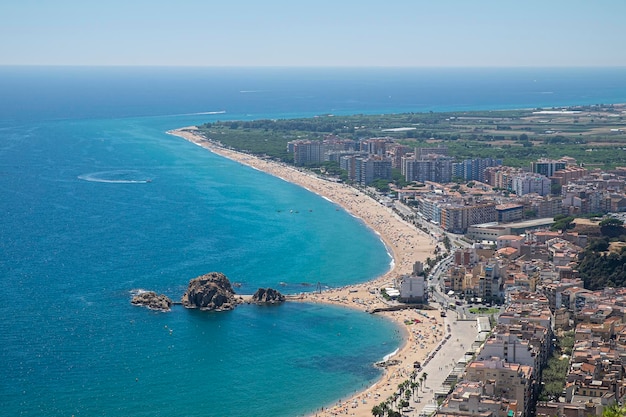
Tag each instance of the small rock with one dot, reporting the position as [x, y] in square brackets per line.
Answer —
[267, 296]
[153, 301]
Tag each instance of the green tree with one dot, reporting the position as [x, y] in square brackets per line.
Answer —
[385, 406]
[614, 410]
[598, 245]
[377, 411]
[404, 403]
[398, 178]
[612, 227]
[446, 242]
[381, 185]
[553, 390]
[562, 223]
[611, 221]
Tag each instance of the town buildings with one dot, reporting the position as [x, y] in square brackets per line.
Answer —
[526, 183]
[547, 167]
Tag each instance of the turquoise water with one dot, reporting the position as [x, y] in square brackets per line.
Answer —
[97, 201]
[94, 209]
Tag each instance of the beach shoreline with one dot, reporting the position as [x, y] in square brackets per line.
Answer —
[421, 332]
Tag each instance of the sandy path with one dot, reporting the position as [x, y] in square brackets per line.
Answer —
[406, 244]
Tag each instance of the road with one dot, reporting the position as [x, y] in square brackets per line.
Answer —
[463, 333]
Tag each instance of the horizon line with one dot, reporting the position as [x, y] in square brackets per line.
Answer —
[316, 66]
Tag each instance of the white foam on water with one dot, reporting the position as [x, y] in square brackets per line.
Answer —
[116, 177]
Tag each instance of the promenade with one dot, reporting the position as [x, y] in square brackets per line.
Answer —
[463, 335]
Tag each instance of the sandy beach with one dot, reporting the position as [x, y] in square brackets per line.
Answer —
[407, 244]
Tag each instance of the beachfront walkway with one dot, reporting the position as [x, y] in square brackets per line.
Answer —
[463, 336]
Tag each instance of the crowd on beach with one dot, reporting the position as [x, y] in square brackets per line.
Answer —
[406, 243]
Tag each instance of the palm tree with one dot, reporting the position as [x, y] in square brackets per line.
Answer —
[404, 386]
[377, 411]
[401, 388]
[384, 406]
[394, 398]
[425, 375]
[404, 404]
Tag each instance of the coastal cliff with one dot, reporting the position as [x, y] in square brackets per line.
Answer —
[211, 291]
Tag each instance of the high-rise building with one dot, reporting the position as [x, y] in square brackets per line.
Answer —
[396, 152]
[547, 167]
[564, 176]
[375, 146]
[528, 183]
[456, 218]
[370, 169]
[474, 169]
[348, 163]
[435, 168]
[423, 153]
[307, 152]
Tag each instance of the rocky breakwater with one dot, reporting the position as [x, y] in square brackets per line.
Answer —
[267, 296]
[211, 291]
[152, 300]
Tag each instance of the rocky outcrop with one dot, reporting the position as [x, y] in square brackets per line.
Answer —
[211, 291]
[152, 300]
[267, 296]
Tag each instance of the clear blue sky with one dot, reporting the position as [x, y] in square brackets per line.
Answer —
[416, 33]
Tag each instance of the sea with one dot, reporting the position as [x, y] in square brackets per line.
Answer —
[98, 203]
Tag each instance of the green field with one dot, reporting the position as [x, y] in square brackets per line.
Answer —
[593, 135]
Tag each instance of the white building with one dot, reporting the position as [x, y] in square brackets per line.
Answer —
[510, 347]
[413, 289]
[528, 183]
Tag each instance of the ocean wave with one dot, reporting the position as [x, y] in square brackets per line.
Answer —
[390, 355]
[205, 112]
[137, 291]
[200, 113]
[116, 177]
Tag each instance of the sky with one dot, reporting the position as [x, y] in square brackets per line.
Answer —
[303, 33]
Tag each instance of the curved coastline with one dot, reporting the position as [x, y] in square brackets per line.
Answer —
[405, 244]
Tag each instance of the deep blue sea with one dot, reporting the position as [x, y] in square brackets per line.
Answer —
[96, 201]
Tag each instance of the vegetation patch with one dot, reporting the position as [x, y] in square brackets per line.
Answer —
[593, 135]
[483, 310]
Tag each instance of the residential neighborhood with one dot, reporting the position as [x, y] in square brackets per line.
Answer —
[549, 346]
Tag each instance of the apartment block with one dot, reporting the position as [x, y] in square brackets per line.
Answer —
[510, 380]
[527, 183]
[547, 167]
